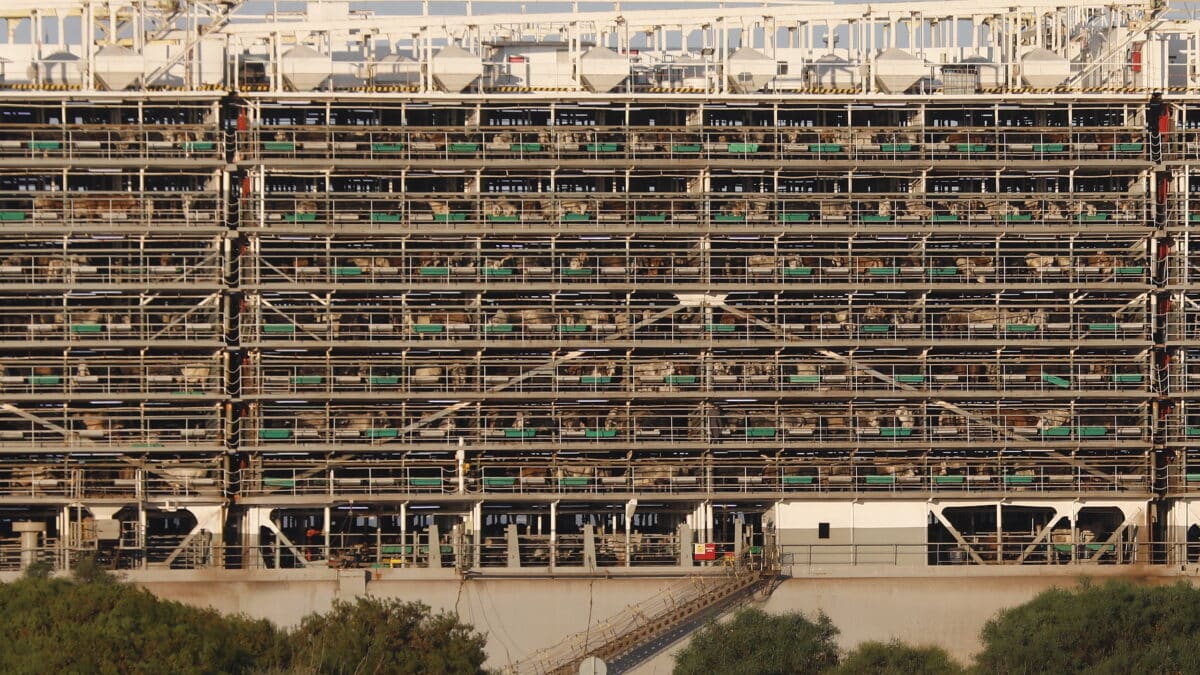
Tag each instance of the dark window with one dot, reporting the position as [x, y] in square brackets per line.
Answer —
[822, 530]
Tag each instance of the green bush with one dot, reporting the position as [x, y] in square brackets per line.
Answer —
[371, 635]
[1118, 627]
[61, 625]
[96, 624]
[756, 643]
[897, 658]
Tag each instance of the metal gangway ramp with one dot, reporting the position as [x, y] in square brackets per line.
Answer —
[640, 625]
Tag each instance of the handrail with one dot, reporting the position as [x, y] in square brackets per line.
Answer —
[951, 474]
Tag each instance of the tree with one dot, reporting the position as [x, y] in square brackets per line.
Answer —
[101, 626]
[756, 643]
[372, 635]
[897, 658]
[1115, 628]
[95, 623]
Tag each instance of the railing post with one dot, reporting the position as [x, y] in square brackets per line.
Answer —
[434, 546]
[685, 545]
[512, 544]
[589, 547]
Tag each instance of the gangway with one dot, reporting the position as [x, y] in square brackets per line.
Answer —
[679, 605]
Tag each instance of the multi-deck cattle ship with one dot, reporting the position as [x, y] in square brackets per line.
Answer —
[767, 287]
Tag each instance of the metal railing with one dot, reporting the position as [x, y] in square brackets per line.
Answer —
[559, 317]
[648, 263]
[112, 141]
[985, 550]
[670, 210]
[881, 144]
[183, 375]
[366, 550]
[280, 374]
[92, 317]
[543, 421]
[151, 480]
[1181, 321]
[51, 209]
[156, 262]
[934, 475]
[130, 426]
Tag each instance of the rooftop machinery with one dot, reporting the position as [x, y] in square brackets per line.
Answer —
[841, 283]
[735, 49]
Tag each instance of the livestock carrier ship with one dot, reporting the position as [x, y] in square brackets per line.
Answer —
[572, 292]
